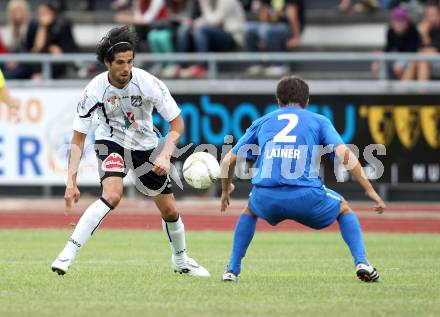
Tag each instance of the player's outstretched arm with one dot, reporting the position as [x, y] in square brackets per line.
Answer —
[72, 192]
[227, 168]
[350, 161]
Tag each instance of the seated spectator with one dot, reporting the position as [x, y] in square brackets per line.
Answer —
[402, 37]
[161, 37]
[142, 15]
[278, 29]
[52, 34]
[17, 30]
[430, 29]
[218, 29]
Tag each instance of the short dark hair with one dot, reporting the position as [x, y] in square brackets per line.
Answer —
[292, 90]
[117, 40]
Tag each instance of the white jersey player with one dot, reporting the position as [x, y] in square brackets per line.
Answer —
[125, 115]
[123, 99]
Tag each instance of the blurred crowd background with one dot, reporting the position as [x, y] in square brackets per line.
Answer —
[199, 26]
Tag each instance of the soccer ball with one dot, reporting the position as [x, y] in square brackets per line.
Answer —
[201, 170]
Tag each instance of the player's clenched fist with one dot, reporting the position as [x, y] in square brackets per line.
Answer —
[72, 194]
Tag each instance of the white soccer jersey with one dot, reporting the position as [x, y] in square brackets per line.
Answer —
[125, 115]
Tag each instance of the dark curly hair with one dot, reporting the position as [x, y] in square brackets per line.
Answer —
[292, 90]
[117, 40]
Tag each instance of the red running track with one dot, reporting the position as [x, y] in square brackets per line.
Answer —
[225, 222]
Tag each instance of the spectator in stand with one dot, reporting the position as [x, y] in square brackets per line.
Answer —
[430, 29]
[142, 15]
[278, 29]
[402, 37]
[16, 33]
[51, 33]
[163, 35]
[218, 29]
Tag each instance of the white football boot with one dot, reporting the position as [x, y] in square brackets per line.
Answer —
[230, 277]
[190, 267]
[61, 265]
[367, 273]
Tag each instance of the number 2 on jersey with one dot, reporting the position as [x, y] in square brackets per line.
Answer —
[283, 136]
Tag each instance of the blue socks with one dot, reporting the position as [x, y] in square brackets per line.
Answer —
[352, 234]
[245, 229]
[244, 232]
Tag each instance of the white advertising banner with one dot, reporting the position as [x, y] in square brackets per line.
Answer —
[34, 142]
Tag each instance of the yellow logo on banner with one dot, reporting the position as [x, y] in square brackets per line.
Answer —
[430, 117]
[406, 120]
[380, 122]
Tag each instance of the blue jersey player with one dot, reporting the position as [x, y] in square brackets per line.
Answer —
[287, 145]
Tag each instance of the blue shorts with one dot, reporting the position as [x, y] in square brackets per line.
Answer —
[313, 207]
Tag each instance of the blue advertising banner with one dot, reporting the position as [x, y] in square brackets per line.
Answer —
[408, 126]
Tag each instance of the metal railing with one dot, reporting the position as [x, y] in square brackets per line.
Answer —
[213, 59]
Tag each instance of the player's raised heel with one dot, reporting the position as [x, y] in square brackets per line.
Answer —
[190, 267]
[230, 277]
[61, 266]
[367, 273]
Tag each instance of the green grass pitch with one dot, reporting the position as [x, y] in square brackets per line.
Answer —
[128, 273]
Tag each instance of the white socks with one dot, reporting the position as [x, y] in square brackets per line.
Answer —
[92, 217]
[86, 226]
[176, 235]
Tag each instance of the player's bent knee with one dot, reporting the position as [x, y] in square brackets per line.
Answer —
[345, 208]
[113, 198]
[169, 214]
[167, 206]
[248, 212]
[168, 211]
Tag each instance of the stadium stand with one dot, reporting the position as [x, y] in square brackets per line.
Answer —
[324, 26]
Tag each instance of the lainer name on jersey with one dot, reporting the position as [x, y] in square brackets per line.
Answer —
[289, 153]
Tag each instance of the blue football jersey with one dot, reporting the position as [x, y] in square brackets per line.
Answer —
[288, 144]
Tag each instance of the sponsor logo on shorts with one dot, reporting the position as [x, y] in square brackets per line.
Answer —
[113, 163]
